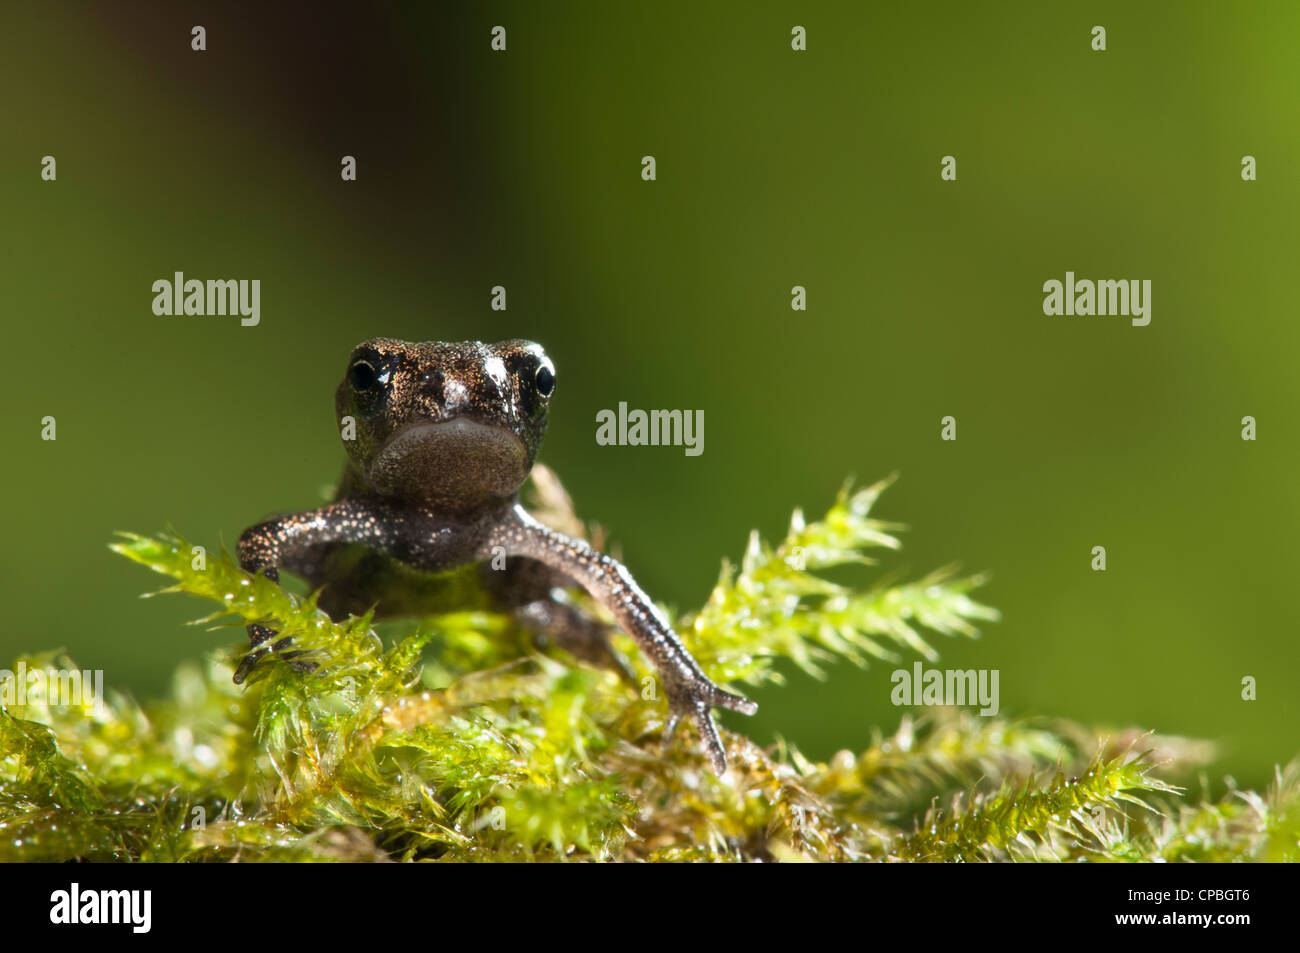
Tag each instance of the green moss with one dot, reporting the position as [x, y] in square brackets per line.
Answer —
[462, 741]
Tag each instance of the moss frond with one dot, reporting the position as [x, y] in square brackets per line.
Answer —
[777, 606]
[1036, 819]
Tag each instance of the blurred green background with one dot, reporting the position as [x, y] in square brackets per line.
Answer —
[775, 168]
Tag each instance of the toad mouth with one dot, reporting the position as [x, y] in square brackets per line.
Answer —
[455, 459]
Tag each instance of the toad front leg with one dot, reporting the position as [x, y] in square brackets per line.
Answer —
[689, 691]
[294, 542]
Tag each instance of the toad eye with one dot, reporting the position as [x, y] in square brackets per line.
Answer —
[364, 376]
[545, 379]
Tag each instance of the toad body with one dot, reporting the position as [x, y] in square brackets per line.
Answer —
[439, 439]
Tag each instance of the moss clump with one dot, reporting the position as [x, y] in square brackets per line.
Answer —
[461, 741]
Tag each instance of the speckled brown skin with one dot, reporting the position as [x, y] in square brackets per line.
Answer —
[445, 434]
